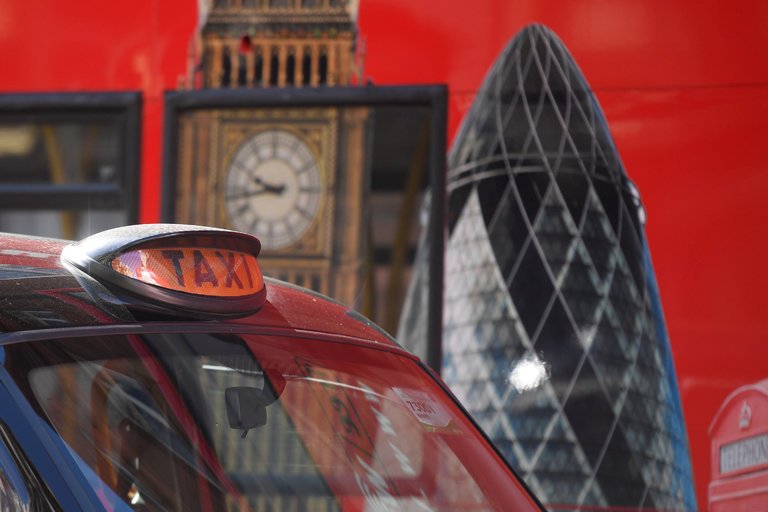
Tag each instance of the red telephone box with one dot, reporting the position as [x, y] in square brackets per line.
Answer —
[739, 434]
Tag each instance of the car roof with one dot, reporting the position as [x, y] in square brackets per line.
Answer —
[37, 291]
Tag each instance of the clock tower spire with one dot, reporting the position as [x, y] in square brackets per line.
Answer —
[279, 43]
[294, 176]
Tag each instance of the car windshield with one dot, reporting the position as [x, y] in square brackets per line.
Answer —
[251, 422]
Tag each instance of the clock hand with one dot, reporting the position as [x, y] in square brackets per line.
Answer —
[268, 187]
[251, 193]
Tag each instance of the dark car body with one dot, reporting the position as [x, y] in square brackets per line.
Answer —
[106, 404]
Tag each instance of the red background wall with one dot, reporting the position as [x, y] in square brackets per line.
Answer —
[90, 45]
[684, 86]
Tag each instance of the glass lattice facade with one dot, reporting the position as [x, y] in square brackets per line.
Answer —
[554, 337]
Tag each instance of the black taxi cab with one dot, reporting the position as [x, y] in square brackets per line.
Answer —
[154, 368]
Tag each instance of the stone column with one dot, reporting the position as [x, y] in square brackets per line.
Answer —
[266, 58]
[214, 77]
[234, 61]
[333, 69]
[250, 59]
[282, 58]
[315, 60]
[299, 75]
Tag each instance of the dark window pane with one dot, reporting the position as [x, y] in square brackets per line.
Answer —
[323, 67]
[306, 68]
[274, 67]
[290, 71]
[59, 153]
[226, 68]
[67, 162]
[258, 69]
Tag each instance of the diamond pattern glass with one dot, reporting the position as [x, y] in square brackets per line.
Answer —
[554, 337]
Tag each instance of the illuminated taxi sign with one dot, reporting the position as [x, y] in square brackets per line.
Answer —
[198, 270]
[174, 268]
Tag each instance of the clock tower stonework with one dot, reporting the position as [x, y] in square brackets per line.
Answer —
[294, 177]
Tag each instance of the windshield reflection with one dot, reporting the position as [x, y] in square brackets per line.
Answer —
[221, 422]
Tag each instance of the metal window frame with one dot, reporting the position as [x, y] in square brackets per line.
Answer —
[434, 97]
[124, 107]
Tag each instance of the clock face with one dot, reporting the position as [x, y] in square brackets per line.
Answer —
[273, 188]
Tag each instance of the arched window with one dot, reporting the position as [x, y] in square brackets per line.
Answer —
[323, 66]
[274, 65]
[258, 68]
[306, 67]
[226, 67]
[290, 68]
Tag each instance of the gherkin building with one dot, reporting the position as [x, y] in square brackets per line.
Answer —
[553, 332]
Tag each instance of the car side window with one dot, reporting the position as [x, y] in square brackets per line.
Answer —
[21, 489]
[14, 494]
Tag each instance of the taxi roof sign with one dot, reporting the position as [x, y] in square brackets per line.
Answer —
[198, 270]
[175, 268]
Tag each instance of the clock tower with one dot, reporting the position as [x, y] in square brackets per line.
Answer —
[294, 177]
